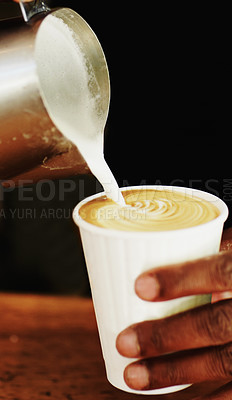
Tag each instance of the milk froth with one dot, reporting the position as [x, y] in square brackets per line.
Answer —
[71, 94]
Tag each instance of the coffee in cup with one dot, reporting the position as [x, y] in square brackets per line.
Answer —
[149, 210]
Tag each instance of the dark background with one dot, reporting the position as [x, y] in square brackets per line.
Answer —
[169, 123]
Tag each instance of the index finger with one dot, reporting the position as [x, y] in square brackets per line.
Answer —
[201, 276]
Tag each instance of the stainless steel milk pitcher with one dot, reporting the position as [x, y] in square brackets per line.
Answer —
[31, 146]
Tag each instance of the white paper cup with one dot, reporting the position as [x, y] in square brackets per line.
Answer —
[114, 260]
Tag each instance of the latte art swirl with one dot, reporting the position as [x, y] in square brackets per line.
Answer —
[149, 210]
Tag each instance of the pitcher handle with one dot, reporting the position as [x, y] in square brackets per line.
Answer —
[31, 8]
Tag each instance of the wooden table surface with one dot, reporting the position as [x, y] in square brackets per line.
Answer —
[49, 349]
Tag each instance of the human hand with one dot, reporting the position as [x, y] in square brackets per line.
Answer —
[200, 340]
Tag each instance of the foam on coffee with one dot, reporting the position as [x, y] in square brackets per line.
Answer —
[66, 80]
[149, 210]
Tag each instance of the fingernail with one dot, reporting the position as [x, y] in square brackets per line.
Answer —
[147, 287]
[137, 377]
[127, 343]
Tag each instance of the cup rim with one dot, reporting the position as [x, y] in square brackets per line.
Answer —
[220, 204]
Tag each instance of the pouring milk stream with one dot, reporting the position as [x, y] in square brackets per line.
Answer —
[71, 103]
